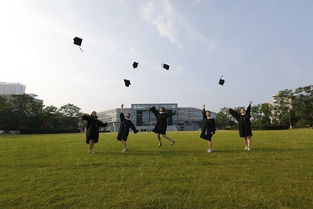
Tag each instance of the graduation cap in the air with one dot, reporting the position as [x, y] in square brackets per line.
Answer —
[78, 41]
[127, 82]
[166, 66]
[221, 81]
[135, 64]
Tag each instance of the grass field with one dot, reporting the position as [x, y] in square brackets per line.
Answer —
[55, 171]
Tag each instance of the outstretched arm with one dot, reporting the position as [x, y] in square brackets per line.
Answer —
[171, 114]
[132, 126]
[86, 117]
[102, 124]
[155, 112]
[234, 113]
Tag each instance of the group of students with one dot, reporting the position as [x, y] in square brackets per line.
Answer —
[207, 131]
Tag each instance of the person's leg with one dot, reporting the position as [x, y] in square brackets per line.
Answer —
[210, 146]
[248, 142]
[168, 138]
[245, 142]
[91, 145]
[124, 146]
[160, 142]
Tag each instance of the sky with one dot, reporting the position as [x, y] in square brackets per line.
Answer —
[260, 47]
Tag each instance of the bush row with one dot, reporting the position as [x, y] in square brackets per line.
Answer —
[48, 131]
[271, 127]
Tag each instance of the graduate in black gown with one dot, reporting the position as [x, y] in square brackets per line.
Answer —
[125, 125]
[161, 125]
[92, 133]
[244, 124]
[208, 128]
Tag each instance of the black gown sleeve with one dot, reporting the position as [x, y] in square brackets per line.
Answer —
[155, 112]
[203, 114]
[214, 128]
[170, 114]
[132, 126]
[100, 123]
[122, 116]
[248, 111]
[234, 113]
[86, 117]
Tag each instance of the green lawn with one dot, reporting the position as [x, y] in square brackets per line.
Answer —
[55, 171]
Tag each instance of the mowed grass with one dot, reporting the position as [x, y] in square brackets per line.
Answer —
[55, 171]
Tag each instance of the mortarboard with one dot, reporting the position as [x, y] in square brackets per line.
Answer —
[221, 81]
[135, 64]
[166, 66]
[127, 82]
[78, 41]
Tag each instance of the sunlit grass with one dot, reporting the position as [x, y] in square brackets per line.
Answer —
[55, 171]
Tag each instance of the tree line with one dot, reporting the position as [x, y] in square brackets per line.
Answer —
[289, 109]
[25, 114]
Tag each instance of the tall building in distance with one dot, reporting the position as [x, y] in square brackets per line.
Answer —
[187, 119]
[12, 88]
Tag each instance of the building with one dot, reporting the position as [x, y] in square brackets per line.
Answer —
[187, 119]
[12, 88]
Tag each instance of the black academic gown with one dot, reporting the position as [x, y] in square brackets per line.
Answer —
[208, 127]
[244, 122]
[126, 124]
[161, 125]
[93, 125]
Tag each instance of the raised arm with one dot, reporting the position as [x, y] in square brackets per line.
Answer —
[155, 112]
[248, 112]
[203, 112]
[234, 113]
[122, 116]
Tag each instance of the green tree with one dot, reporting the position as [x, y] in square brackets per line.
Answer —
[303, 105]
[261, 114]
[6, 122]
[283, 107]
[224, 119]
[70, 116]
[70, 110]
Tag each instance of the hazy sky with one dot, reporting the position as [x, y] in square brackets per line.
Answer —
[260, 47]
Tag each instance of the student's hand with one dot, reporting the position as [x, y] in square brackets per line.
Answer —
[147, 108]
